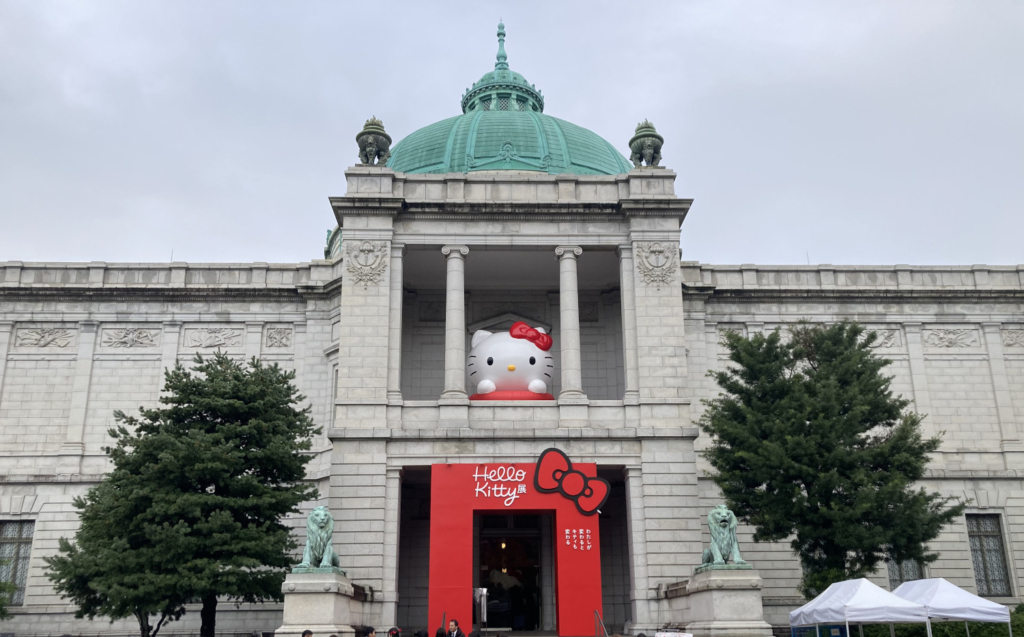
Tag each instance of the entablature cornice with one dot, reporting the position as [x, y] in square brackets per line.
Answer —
[555, 211]
[134, 295]
[868, 295]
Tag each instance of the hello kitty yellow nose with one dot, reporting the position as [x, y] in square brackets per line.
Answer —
[511, 368]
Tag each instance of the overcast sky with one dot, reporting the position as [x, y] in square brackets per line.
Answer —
[829, 132]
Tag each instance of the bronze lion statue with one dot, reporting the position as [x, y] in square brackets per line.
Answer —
[724, 547]
[318, 552]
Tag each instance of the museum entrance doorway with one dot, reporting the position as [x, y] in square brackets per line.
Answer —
[513, 563]
[465, 497]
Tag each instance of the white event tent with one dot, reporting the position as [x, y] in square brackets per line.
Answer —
[948, 601]
[859, 602]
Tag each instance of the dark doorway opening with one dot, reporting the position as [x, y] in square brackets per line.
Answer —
[514, 563]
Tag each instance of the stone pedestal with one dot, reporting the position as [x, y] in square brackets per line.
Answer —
[723, 602]
[320, 600]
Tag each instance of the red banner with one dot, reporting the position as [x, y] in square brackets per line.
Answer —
[460, 490]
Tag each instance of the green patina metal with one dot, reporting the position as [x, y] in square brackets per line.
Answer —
[503, 127]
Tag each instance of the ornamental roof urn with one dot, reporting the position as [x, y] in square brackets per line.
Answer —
[645, 145]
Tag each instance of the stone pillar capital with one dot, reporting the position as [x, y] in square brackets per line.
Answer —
[624, 250]
[457, 252]
[568, 252]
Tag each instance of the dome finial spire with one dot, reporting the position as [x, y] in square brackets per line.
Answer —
[501, 64]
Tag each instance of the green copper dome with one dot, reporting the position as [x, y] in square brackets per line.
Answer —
[503, 127]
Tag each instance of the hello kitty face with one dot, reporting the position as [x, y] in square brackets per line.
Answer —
[517, 360]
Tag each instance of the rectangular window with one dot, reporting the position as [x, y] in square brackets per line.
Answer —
[15, 547]
[900, 572]
[988, 555]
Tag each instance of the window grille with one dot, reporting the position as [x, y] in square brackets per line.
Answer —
[988, 555]
[900, 572]
[520, 105]
[502, 103]
[485, 104]
[15, 547]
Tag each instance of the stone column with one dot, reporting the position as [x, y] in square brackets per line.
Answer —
[395, 327]
[1001, 387]
[569, 325]
[455, 327]
[642, 610]
[628, 303]
[392, 521]
[70, 461]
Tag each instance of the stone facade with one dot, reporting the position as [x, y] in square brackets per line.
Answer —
[377, 336]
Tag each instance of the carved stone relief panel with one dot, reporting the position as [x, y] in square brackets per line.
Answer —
[951, 338]
[57, 338]
[366, 261]
[279, 337]
[657, 262]
[1013, 338]
[130, 337]
[213, 337]
[887, 339]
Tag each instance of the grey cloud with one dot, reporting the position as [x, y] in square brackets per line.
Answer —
[870, 132]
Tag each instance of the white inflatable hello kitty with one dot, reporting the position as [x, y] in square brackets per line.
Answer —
[513, 365]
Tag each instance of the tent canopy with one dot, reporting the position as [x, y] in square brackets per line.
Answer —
[948, 601]
[857, 601]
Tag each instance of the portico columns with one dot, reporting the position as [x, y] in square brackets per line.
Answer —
[455, 327]
[395, 327]
[569, 329]
[628, 303]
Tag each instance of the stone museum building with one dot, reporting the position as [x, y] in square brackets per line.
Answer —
[502, 214]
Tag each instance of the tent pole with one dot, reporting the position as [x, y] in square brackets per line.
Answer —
[967, 629]
[892, 630]
[861, 627]
[928, 625]
[817, 630]
[848, 628]
[1009, 626]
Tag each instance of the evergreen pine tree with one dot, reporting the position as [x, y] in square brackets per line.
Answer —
[7, 589]
[810, 443]
[193, 508]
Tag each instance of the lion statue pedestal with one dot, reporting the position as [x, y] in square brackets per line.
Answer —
[318, 596]
[723, 598]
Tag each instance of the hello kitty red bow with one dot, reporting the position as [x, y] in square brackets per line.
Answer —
[522, 330]
[555, 474]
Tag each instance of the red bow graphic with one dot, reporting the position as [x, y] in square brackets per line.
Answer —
[555, 474]
[522, 330]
